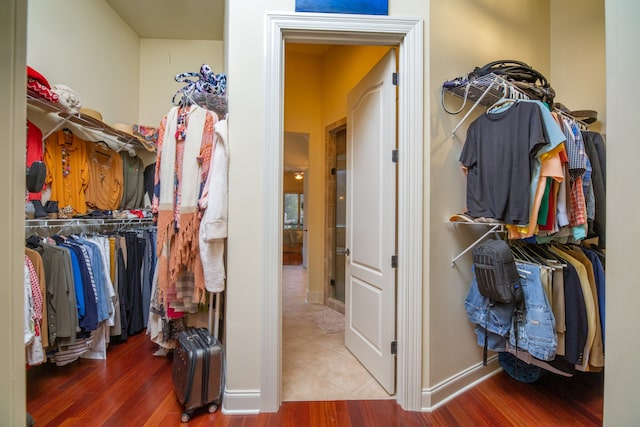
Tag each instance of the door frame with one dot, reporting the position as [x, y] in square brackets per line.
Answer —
[407, 34]
[330, 218]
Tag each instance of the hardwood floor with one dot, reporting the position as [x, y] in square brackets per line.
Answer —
[133, 388]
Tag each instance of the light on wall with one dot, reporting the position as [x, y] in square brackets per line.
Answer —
[298, 175]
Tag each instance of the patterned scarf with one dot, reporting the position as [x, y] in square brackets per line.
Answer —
[180, 176]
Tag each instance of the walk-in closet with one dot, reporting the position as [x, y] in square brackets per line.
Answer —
[102, 255]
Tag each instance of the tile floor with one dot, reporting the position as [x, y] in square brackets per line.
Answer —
[315, 364]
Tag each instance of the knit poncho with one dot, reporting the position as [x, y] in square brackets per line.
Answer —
[184, 150]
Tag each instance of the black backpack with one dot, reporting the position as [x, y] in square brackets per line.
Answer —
[496, 272]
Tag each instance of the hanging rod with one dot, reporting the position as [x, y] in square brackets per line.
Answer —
[84, 222]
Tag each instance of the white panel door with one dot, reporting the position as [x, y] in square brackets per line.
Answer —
[371, 222]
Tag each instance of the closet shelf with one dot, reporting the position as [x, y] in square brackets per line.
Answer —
[485, 91]
[494, 228]
[50, 116]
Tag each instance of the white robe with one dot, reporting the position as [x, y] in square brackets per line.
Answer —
[213, 226]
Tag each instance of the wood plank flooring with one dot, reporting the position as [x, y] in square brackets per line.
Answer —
[133, 388]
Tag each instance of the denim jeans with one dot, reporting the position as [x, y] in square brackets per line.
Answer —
[537, 334]
[497, 318]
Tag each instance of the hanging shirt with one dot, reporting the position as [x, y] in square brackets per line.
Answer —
[499, 154]
[105, 186]
[65, 156]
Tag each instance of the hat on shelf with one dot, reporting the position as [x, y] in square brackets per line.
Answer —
[37, 83]
[125, 128]
[586, 116]
[91, 113]
[129, 130]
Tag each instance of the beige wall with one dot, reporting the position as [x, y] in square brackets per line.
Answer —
[578, 56]
[160, 61]
[484, 31]
[88, 47]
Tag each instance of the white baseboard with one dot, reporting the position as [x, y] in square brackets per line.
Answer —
[441, 393]
[245, 402]
[315, 297]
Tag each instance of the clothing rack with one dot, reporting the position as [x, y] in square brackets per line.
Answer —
[486, 91]
[62, 226]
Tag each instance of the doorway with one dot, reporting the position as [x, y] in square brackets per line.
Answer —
[313, 335]
[406, 33]
[336, 187]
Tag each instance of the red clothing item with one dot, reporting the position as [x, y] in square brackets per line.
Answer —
[34, 151]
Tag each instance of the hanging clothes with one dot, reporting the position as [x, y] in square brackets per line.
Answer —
[185, 143]
[214, 201]
[81, 299]
[133, 192]
[65, 156]
[498, 157]
[106, 181]
[564, 287]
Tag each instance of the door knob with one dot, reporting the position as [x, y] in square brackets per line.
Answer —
[346, 252]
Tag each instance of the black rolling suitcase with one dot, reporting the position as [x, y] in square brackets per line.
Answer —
[198, 373]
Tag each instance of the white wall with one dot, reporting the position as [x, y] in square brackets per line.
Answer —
[160, 61]
[622, 344]
[85, 45]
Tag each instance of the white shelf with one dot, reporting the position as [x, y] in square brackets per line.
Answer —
[49, 117]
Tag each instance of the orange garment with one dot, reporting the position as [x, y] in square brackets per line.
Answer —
[65, 156]
[106, 182]
[551, 166]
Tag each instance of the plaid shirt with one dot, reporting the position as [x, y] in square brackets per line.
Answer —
[575, 149]
[578, 206]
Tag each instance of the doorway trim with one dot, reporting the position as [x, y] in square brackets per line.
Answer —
[407, 34]
[330, 180]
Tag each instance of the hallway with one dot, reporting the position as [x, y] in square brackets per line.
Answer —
[315, 363]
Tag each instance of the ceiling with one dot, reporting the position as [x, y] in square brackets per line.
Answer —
[173, 19]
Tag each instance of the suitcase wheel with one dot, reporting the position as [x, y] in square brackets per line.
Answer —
[213, 408]
[185, 417]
